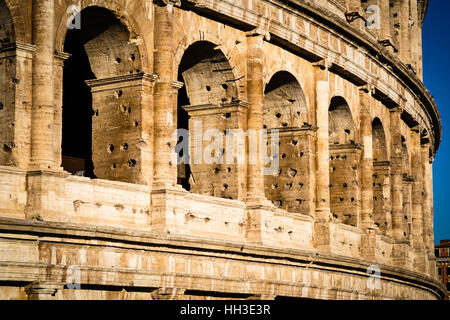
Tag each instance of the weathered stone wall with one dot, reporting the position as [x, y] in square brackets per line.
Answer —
[357, 135]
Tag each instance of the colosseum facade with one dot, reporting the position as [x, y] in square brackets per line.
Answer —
[95, 204]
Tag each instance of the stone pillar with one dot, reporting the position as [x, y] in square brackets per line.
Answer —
[428, 234]
[164, 162]
[414, 33]
[322, 192]
[42, 290]
[43, 109]
[367, 161]
[385, 24]
[405, 45]
[399, 256]
[123, 149]
[417, 201]
[369, 238]
[396, 171]
[258, 206]
[255, 96]
[60, 58]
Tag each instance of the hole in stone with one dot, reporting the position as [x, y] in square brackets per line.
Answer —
[111, 148]
[299, 201]
[132, 57]
[344, 157]
[289, 185]
[225, 86]
[298, 113]
[294, 142]
[227, 115]
[347, 131]
[118, 93]
[406, 217]
[6, 148]
[274, 186]
[301, 154]
[225, 187]
[132, 163]
[344, 185]
[125, 146]
[374, 198]
[208, 88]
[278, 115]
[1, 106]
[341, 199]
[216, 170]
[264, 127]
[229, 169]
[283, 156]
[301, 185]
[114, 166]
[284, 124]
[352, 199]
[135, 124]
[118, 60]
[279, 203]
[292, 172]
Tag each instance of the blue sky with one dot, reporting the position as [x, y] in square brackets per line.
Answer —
[436, 54]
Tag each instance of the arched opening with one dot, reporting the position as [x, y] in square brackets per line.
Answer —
[381, 179]
[285, 110]
[344, 163]
[101, 118]
[284, 102]
[407, 190]
[7, 96]
[209, 97]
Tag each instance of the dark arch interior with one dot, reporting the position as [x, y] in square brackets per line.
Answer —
[77, 98]
[196, 53]
[279, 79]
[341, 125]
[378, 141]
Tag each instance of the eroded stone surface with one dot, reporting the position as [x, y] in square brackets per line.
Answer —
[353, 186]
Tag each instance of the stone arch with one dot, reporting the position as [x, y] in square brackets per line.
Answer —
[406, 167]
[104, 101]
[17, 12]
[207, 75]
[285, 103]
[121, 12]
[345, 155]
[379, 143]
[381, 178]
[229, 52]
[209, 96]
[285, 110]
[341, 125]
[407, 189]
[7, 29]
